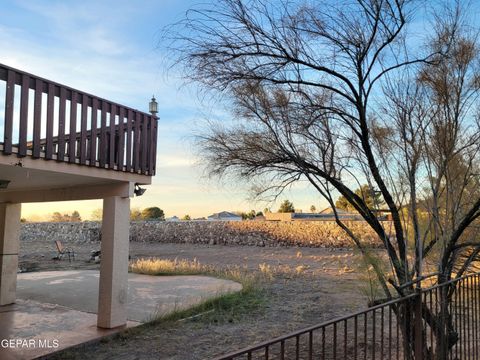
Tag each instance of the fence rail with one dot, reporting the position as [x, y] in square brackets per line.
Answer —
[44, 119]
[439, 322]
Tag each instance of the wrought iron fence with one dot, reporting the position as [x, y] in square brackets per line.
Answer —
[440, 322]
[44, 119]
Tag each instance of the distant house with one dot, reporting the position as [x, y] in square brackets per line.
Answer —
[329, 211]
[173, 218]
[354, 215]
[224, 216]
[324, 215]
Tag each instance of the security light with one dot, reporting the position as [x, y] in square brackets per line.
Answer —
[138, 190]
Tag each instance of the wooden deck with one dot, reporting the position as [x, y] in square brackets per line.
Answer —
[56, 122]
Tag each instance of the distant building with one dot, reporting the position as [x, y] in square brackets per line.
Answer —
[324, 215]
[173, 218]
[329, 211]
[224, 216]
[382, 215]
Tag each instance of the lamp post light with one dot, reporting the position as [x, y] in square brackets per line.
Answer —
[153, 106]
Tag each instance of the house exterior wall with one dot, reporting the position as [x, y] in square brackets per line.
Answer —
[278, 216]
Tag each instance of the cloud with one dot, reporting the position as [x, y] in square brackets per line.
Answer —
[107, 48]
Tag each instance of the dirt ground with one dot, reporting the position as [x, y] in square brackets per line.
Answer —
[309, 286]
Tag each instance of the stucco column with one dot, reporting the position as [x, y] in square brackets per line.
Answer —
[9, 246]
[113, 288]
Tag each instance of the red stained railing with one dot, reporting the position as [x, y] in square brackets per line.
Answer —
[47, 120]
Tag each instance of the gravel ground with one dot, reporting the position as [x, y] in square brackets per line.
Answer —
[309, 286]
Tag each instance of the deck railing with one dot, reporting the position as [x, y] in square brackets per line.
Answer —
[47, 120]
[437, 323]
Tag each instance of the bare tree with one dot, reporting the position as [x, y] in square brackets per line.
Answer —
[333, 94]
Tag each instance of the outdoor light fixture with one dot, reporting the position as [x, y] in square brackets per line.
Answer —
[4, 184]
[138, 190]
[153, 106]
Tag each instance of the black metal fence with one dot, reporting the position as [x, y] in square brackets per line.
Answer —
[440, 322]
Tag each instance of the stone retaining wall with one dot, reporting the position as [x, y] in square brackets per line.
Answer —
[254, 233]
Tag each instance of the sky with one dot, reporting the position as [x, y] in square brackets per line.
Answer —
[110, 48]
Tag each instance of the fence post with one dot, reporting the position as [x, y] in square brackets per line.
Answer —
[418, 326]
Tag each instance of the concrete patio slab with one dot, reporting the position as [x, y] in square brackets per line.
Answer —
[29, 329]
[57, 309]
[148, 296]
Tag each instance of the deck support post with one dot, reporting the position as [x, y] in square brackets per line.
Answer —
[9, 246]
[113, 287]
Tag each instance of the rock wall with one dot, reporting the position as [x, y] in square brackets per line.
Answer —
[67, 232]
[253, 233]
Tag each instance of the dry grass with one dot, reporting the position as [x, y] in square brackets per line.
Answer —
[224, 308]
[154, 266]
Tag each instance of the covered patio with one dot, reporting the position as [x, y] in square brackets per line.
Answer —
[61, 144]
[55, 310]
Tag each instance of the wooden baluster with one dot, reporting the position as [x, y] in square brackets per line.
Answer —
[103, 136]
[144, 142]
[136, 143]
[151, 145]
[111, 138]
[37, 118]
[22, 139]
[72, 140]
[155, 134]
[61, 124]
[94, 133]
[50, 110]
[121, 139]
[130, 121]
[83, 130]
[9, 103]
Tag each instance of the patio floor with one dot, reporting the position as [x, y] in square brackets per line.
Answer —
[57, 309]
